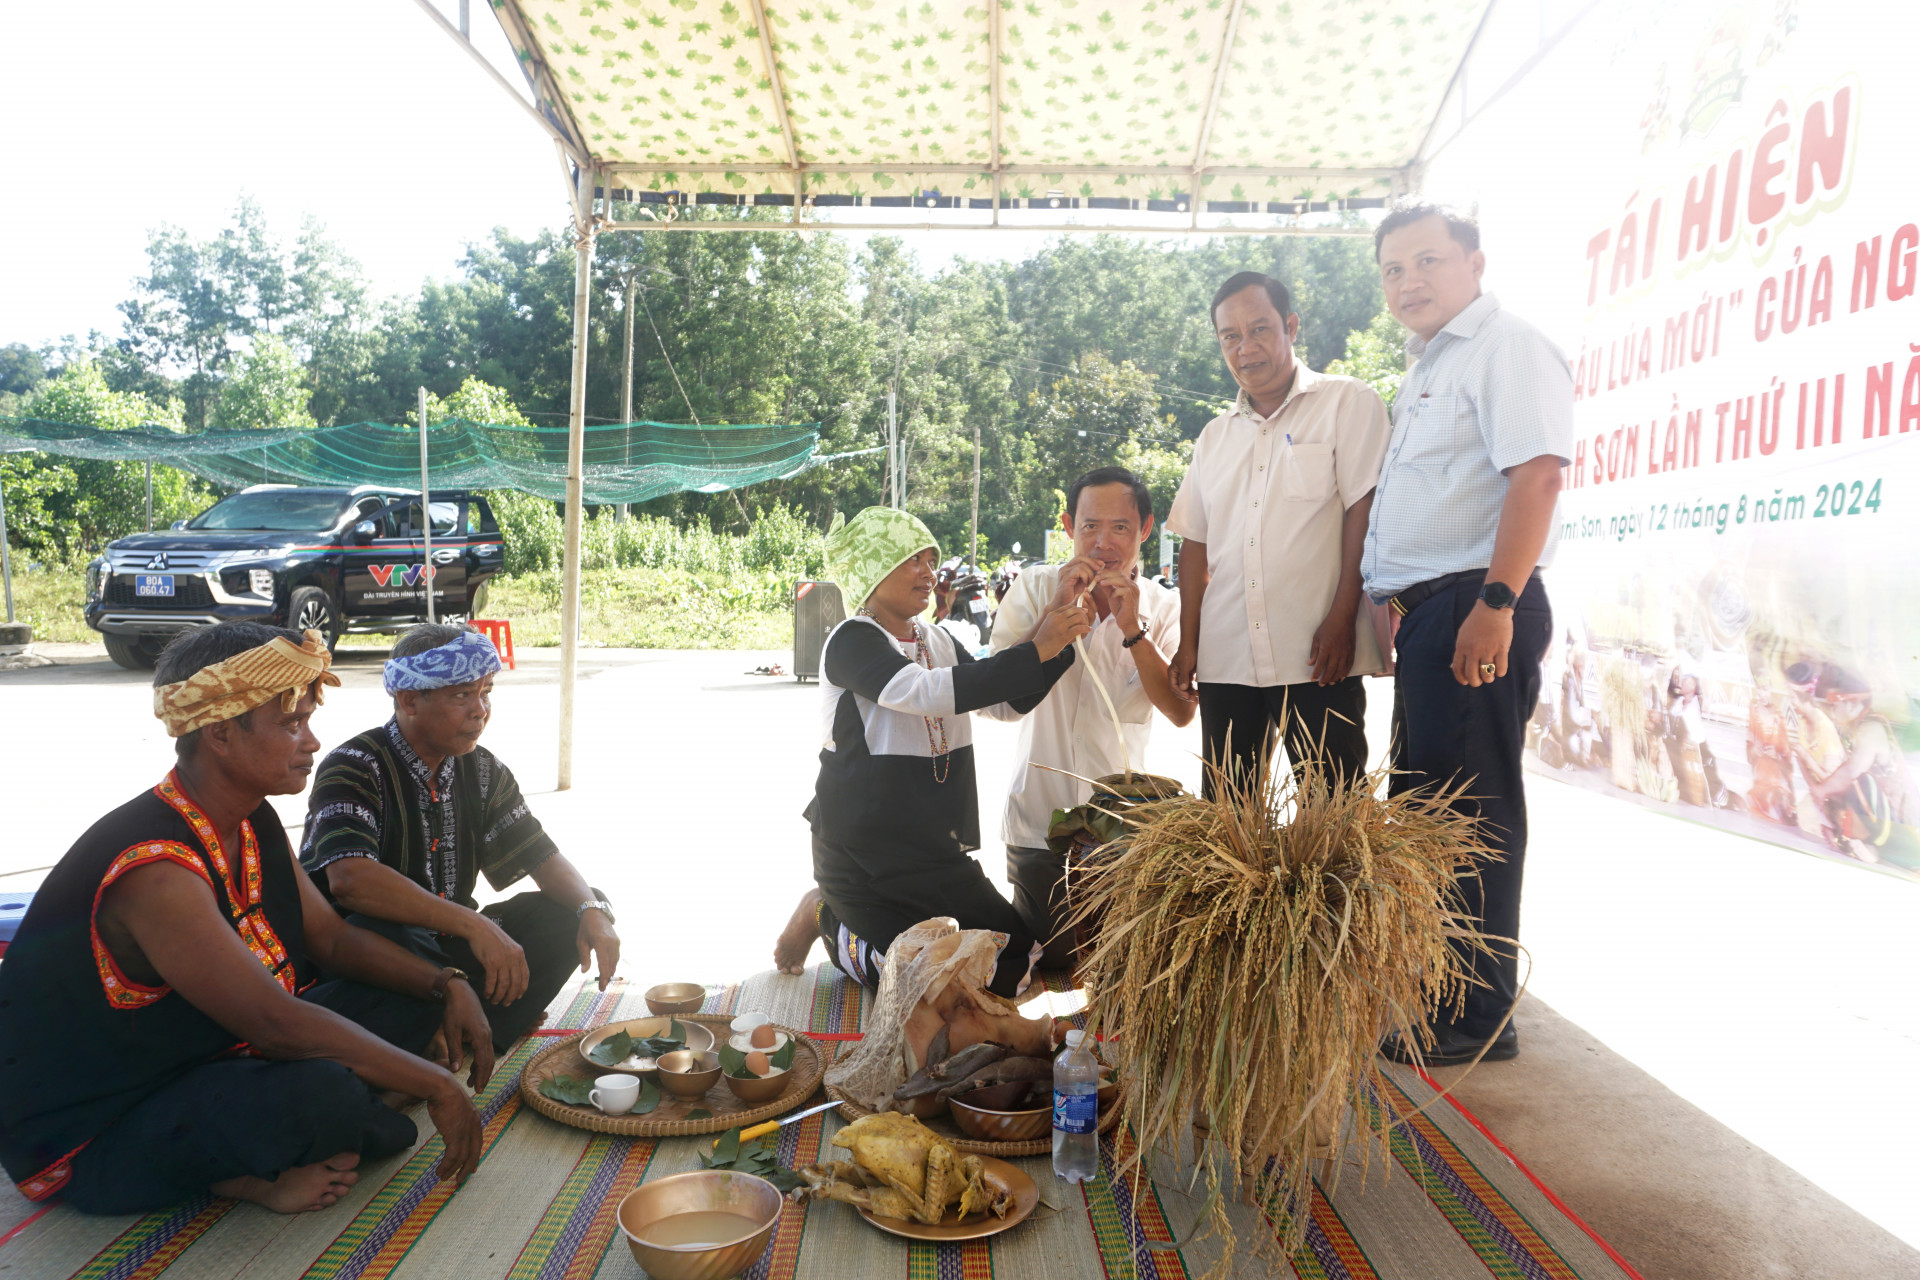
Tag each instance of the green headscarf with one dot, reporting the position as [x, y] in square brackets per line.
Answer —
[864, 550]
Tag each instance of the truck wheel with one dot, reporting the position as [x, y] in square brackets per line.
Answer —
[129, 652]
[311, 609]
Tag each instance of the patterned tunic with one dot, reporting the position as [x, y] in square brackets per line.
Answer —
[62, 993]
[373, 797]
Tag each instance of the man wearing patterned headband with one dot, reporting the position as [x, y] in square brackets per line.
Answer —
[166, 1031]
[405, 818]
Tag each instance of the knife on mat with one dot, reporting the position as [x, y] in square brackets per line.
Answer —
[762, 1130]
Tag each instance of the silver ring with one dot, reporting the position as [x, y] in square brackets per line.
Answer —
[1487, 669]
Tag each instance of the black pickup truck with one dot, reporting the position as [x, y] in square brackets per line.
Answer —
[335, 560]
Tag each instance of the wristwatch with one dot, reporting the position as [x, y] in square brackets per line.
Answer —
[438, 991]
[605, 907]
[1498, 595]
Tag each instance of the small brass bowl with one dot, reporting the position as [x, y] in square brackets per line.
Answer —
[706, 1191]
[687, 1074]
[1000, 1126]
[1109, 1093]
[761, 1089]
[676, 997]
[699, 1040]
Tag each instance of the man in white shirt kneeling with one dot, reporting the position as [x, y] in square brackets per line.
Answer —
[1071, 733]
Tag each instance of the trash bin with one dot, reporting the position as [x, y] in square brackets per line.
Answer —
[817, 610]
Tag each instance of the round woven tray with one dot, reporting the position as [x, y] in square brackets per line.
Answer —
[950, 1132]
[669, 1119]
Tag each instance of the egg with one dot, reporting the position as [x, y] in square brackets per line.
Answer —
[759, 1063]
[763, 1037]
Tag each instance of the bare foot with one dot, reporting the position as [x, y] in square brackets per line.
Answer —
[302, 1190]
[797, 939]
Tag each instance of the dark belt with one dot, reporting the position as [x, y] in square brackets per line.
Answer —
[1405, 602]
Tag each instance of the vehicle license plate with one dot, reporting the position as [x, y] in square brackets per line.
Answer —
[153, 584]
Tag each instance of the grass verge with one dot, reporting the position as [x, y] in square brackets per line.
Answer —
[619, 608]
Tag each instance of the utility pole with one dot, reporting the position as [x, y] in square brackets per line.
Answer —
[626, 386]
[426, 513]
[893, 456]
[6, 563]
[149, 495]
[973, 523]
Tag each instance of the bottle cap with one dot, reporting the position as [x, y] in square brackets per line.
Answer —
[1075, 1037]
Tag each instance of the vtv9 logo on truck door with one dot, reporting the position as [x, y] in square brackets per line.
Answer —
[400, 575]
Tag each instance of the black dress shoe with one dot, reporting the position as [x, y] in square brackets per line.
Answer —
[1451, 1048]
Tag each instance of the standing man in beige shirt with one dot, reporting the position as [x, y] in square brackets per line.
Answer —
[1274, 515]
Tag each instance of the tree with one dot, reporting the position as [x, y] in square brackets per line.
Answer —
[1377, 355]
[268, 389]
[61, 507]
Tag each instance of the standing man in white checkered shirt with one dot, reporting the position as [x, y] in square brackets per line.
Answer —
[1273, 512]
[1462, 524]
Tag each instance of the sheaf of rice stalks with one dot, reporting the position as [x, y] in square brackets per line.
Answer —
[1253, 949]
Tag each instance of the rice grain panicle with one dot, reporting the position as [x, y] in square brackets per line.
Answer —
[1252, 950]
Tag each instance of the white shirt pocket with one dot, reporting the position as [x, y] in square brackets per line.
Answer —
[1306, 472]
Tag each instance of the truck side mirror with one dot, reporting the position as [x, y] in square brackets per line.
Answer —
[179, 524]
[363, 533]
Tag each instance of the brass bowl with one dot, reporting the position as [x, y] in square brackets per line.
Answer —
[687, 1074]
[676, 997]
[1109, 1094]
[759, 1089]
[699, 1040]
[999, 1097]
[1000, 1126]
[706, 1191]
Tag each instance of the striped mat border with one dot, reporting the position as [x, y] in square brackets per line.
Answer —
[1123, 1218]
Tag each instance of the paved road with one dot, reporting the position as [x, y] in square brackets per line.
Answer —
[1773, 990]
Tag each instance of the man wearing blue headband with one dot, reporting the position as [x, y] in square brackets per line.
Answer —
[403, 819]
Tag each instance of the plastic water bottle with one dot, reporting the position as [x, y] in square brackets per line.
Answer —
[1076, 1111]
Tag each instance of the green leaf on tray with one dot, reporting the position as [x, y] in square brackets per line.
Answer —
[568, 1089]
[699, 1113]
[734, 1063]
[612, 1051]
[782, 1058]
[649, 1098]
[756, 1158]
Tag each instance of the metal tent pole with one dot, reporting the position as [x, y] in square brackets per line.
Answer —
[893, 456]
[6, 561]
[426, 513]
[576, 449]
[626, 387]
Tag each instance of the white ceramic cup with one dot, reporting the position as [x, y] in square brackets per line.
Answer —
[615, 1095]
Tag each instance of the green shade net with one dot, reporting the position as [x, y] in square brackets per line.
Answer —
[627, 463]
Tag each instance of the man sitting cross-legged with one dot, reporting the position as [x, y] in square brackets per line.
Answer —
[162, 1032]
[404, 818]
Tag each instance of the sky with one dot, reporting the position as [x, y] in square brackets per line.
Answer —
[360, 113]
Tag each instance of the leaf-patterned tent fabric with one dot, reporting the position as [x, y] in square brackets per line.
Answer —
[1113, 103]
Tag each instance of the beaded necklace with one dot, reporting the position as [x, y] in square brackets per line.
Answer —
[936, 725]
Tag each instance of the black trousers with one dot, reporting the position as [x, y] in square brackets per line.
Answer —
[1039, 878]
[545, 930]
[1237, 723]
[241, 1117]
[1445, 731]
[955, 887]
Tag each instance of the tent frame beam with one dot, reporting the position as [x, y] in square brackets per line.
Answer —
[618, 171]
[581, 195]
[1047, 228]
[1214, 92]
[460, 36]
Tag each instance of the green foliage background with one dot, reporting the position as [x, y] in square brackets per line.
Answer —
[1092, 351]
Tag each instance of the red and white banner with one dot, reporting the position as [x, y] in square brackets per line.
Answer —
[1715, 210]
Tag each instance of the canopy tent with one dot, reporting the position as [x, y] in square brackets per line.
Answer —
[1153, 115]
[627, 463]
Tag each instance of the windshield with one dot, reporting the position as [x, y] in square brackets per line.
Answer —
[277, 510]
